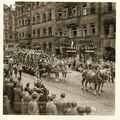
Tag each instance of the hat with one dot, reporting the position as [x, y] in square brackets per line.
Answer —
[51, 98]
[80, 109]
[87, 110]
[34, 95]
[62, 95]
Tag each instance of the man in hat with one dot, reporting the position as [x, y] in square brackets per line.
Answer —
[33, 106]
[51, 107]
[61, 104]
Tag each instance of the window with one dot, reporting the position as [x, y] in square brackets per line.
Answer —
[49, 15]
[37, 4]
[84, 31]
[38, 33]
[85, 9]
[93, 29]
[44, 32]
[50, 31]
[74, 31]
[38, 18]
[44, 17]
[26, 22]
[92, 8]
[60, 34]
[11, 36]
[23, 35]
[22, 10]
[74, 12]
[65, 13]
[23, 22]
[33, 33]
[33, 19]
[50, 47]
[19, 35]
[106, 28]
[59, 15]
[44, 46]
[109, 5]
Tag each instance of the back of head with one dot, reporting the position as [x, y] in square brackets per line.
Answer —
[74, 104]
[87, 110]
[81, 110]
[62, 95]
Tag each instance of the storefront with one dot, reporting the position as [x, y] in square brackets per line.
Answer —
[87, 52]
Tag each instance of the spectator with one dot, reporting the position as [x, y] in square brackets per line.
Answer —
[20, 84]
[51, 107]
[33, 106]
[23, 106]
[20, 69]
[17, 99]
[42, 101]
[15, 70]
[27, 87]
[81, 110]
[9, 91]
[72, 110]
[61, 104]
[6, 105]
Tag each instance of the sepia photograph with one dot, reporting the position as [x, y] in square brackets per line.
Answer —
[59, 58]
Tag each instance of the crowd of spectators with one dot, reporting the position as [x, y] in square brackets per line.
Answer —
[37, 100]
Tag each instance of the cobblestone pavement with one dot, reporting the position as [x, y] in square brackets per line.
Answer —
[105, 104]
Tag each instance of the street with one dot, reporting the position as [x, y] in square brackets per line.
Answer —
[104, 104]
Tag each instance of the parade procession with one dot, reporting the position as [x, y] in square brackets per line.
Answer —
[62, 65]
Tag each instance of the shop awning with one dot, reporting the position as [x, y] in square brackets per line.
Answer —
[72, 51]
[89, 50]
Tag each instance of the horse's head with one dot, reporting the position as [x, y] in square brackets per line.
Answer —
[104, 74]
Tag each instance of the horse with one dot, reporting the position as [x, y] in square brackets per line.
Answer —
[97, 77]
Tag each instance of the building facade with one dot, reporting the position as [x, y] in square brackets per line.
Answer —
[9, 28]
[70, 29]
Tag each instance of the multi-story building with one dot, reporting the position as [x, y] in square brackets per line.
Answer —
[9, 28]
[23, 24]
[70, 29]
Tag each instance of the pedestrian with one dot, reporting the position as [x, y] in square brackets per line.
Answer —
[10, 91]
[72, 110]
[33, 106]
[81, 110]
[20, 69]
[19, 83]
[61, 104]
[42, 102]
[23, 104]
[51, 107]
[27, 87]
[17, 99]
[6, 105]
[64, 72]
[57, 73]
[15, 70]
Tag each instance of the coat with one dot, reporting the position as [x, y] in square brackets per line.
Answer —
[42, 101]
[17, 99]
[51, 108]
[10, 91]
[61, 105]
[33, 108]
[6, 107]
